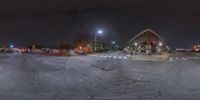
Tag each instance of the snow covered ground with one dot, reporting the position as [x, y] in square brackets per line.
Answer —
[31, 77]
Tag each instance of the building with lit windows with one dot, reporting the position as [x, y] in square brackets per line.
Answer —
[84, 42]
[147, 41]
[196, 48]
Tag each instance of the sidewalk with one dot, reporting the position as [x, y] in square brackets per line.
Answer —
[162, 57]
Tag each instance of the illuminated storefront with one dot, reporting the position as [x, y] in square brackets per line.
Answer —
[147, 41]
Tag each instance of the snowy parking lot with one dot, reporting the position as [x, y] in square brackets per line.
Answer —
[32, 77]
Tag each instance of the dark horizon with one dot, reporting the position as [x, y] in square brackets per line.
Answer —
[50, 22]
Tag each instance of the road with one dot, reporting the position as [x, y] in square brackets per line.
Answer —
[97, 77]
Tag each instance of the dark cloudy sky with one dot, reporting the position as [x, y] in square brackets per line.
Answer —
[51, 22]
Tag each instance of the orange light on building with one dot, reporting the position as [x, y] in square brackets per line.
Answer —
[196, 48]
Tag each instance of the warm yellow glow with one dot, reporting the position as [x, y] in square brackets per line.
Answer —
[196, 48]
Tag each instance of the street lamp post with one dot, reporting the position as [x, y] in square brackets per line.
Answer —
[95, 39]
[113, 45]
[135, 48]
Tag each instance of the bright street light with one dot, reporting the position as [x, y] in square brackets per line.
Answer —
[113, 42]
[100, 31]
[136, 44]
[11, 46]
[95, 39]
[160, 44]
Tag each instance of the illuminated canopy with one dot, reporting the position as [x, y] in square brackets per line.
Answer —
[146, 36]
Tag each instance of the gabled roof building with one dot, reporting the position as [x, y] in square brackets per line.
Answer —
[147, 41]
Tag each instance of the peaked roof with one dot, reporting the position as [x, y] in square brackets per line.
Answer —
[146, 30]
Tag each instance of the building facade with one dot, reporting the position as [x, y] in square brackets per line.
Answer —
[84, 42]
[147, 41]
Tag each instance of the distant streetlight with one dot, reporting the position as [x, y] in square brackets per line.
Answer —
[135, 44]
[11, 45]
[113, 42]
[160, 44]
[98, 32]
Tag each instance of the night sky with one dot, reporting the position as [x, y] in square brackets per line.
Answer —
[51, 22]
